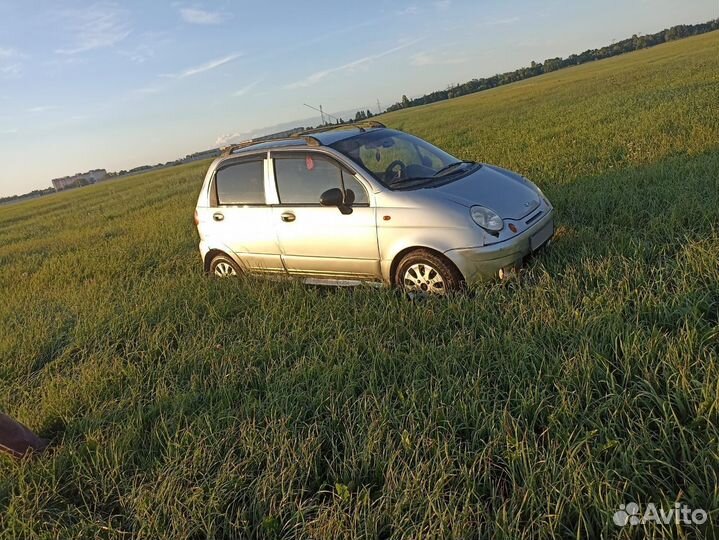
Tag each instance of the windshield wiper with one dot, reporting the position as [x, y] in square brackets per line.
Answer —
[421, 179]
[434, 178]
[452, 166]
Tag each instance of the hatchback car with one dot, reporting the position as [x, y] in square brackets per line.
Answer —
[366, 203]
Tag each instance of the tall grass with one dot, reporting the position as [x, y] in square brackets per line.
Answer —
[182, 407]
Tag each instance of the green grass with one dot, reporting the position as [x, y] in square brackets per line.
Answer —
[182, 407]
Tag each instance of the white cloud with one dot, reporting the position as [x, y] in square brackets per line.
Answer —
[443, 4]
[139, 54]
[147, 90]
[10, 66]
[208, 66]
[41, 109]
[10, 71]
[499, 22]
[409, 10]
[147, 46]
[99, 25]
[200, 16]
[229, 138]
[427, 59]
[247, 88]
[316, 77]
[12, 131]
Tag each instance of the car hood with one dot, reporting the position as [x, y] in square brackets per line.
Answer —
[505, 192]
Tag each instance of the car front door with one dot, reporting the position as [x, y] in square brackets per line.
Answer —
[243, 219]
[318, 240]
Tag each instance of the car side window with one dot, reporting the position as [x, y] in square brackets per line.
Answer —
[241, 183]
[359, 193]
[303, 178]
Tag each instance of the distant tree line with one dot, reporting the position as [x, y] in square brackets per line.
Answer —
[363, 115]
[359, 117]
[31, 195]
[139, 169]
[633, 43]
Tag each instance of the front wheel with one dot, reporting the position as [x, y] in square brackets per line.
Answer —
[223, 266]
[427, 273]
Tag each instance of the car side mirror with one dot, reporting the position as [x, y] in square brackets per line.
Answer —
[335, 197]
[332, 197]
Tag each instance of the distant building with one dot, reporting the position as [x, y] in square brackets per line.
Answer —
[78, 180]
[64, 183]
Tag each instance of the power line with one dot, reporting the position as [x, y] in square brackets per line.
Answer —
[322, 112]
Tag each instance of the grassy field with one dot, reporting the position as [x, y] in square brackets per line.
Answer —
[183, 407]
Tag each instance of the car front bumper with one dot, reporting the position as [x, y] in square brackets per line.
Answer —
[484, 262]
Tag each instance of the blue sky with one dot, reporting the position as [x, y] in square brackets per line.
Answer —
[117, 84]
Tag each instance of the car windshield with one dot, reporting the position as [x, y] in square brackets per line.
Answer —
[397, 159]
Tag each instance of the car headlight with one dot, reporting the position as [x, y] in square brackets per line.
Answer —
[486, 218]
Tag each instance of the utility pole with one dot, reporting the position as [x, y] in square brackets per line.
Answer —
[379, 107]
[321, 111]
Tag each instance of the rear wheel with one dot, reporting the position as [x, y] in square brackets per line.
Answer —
[223, 266]
[427, 273]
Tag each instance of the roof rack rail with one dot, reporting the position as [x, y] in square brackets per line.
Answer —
[375, 124]
[306, 135]
[311, 141]
[371, 124]
[232, 148]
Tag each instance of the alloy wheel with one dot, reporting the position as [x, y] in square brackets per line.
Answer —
[224, 269]
[423, 279]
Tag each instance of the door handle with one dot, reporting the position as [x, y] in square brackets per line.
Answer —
[288, 217]
[217, 216]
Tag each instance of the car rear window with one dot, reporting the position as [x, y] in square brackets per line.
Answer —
[241, 183]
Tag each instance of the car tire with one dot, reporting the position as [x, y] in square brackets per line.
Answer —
[425, 272]
[223, 266]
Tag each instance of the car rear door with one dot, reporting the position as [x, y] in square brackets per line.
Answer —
[243, 220]
[323, 241]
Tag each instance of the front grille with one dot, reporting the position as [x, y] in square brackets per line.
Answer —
[534, 218]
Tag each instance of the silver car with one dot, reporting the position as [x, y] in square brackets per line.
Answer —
[366, 203]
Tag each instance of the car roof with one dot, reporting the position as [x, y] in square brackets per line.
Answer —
[329, 138]
[308, 139]
[268, 145]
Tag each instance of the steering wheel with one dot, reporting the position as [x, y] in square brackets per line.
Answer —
[390, 174]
